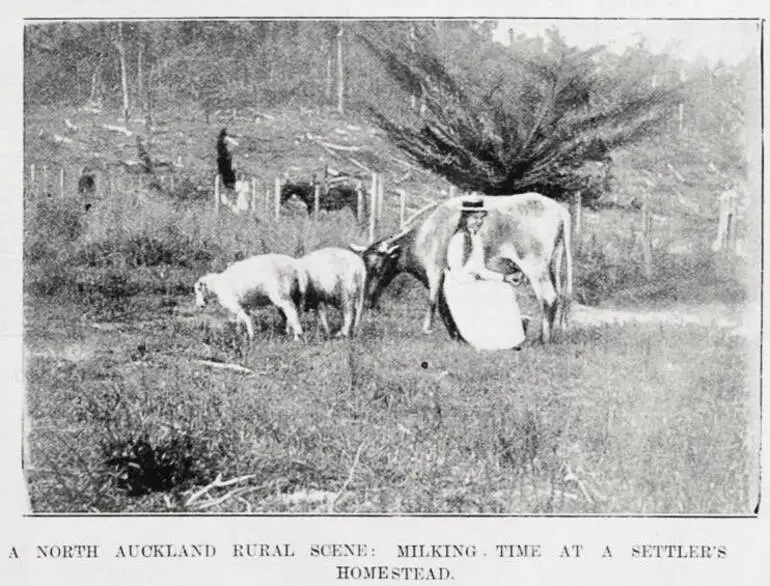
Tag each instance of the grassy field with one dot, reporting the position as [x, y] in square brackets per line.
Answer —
[632, 419]
[124, 416]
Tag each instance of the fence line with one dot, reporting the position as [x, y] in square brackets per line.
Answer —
[727, 228]
[58, 180]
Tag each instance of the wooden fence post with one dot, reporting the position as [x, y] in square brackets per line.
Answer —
[32, 186]
[380, 196]
[373, 194]
[254, 194]
[171, 183]
[452, 191]
[373, 211]
[401, 207]
[61, 182]
[266, 203]
[216, 194]
[646, 239]
[576, 215]
[45, 179]
[277, 202]
[359, 203]
[316, 201]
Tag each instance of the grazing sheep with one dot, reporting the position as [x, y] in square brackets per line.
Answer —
[334, 276]
[255, 282]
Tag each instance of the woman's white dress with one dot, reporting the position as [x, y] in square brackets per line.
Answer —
[483, 307]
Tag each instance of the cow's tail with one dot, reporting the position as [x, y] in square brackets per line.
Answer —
[359, 310]
[566, 286]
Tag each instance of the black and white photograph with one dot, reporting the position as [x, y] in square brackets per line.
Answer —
[417, 267]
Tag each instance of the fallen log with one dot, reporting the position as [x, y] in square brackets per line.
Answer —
[224, 365]
[359, 164]
[340, 147]
[59, 139]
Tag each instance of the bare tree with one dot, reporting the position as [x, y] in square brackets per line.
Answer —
[340, 73]
[120, 45]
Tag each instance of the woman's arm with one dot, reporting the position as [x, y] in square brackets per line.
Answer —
[455, 255]
[476, 265]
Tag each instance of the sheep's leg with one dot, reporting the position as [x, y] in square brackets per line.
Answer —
[348, 307]
[323, 318]
[292, 318]
[240, 314]
[284, 322]
[347, 323]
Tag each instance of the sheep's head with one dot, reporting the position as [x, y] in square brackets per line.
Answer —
[202, 289]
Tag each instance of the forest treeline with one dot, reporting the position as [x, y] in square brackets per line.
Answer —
[489, 117]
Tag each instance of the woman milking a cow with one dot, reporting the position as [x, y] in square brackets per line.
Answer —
[481, 302]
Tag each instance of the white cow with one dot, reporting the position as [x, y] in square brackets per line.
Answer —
[255, 282]
[334, 276]
[529, 229]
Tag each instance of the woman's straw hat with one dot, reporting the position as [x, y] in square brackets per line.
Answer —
[472, 203]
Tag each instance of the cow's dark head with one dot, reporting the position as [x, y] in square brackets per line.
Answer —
[382, 265]
[302, 190]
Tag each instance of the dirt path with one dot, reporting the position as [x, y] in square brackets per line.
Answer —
[715, 315]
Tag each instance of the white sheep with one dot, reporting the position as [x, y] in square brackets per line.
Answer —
[255, 282]
[334, 276]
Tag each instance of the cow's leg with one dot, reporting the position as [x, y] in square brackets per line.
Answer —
[562, 299]
[434, 288]
[546, 294]
[446, 316]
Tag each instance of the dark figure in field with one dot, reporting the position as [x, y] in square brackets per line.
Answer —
[225, 160]
[336, 198]
[86, 182]
[144, 157]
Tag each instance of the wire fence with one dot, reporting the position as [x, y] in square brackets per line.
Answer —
[370, 202]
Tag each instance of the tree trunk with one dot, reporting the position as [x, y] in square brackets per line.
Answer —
[78, 88]
[96, 82]
[576, 215]
[140, 72]
[329, 61]
[120, 46]
[148, 101]
[270, 52]
[340, 74]
[412, 39]
[646, 239]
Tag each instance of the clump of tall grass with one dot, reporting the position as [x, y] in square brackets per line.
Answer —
[613, 270]
[69, 248]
